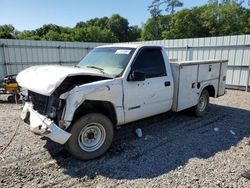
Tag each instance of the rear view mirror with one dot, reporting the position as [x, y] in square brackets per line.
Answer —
[137, 76]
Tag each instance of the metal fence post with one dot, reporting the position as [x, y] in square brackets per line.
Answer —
[186, 58]
[87, 49]
[5, 59]
[248, 76]
[59, 54]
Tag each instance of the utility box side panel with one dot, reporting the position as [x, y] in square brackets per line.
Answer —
[187, 91]
[191, 77]
[175, 72]
[208, 72]
[222, 83]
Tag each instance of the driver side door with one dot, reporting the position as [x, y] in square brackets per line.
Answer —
[153, 95]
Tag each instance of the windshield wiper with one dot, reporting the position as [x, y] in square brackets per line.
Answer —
[98, 68]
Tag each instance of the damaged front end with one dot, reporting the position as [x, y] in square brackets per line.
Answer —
[43, 125]
[45, 114]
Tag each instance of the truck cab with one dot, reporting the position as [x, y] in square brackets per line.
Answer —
[112, 86]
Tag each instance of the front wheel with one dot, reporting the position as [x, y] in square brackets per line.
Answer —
[91, 136]
[201, 108]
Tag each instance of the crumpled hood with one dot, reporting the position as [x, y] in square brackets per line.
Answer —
[45, 79]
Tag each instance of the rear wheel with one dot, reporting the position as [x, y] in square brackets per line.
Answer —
[91, 137]
[201, 108]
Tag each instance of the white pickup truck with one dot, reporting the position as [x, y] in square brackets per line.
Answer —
[114, 85]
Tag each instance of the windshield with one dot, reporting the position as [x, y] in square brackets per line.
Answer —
[107, 60]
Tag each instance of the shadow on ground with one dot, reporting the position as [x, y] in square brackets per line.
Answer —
[169, 141]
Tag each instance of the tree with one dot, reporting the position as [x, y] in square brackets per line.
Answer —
[27, 35]
[93, 34]
[225, 2]
[171, 5]
[7, 31]
[134, 33]
[47, 28]
[154, 9]
[223, 19]
[80, 25]
[150, 30]
[217, 18]
[230, 19]
[119, 26]
[153, 28]
[184, 24]
[245, 22]
[116, 24]
[213, 1]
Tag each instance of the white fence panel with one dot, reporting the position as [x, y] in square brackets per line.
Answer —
[16, 55]
[235, 49]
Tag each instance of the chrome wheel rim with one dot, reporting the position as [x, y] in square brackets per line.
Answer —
[92, 137]
[202, 103]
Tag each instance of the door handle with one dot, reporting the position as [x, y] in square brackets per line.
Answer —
[167, 83]
[210, 68]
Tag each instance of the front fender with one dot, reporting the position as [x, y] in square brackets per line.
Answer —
[110, 91]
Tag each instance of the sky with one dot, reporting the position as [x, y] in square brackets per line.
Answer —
[32, 14]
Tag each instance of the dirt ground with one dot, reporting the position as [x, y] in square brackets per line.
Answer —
[176, 150]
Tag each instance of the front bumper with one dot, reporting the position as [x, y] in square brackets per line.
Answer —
[42, 125]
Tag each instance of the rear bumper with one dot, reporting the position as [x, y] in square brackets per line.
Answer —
[42, 125]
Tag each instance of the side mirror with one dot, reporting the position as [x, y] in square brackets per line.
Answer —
[137, 76]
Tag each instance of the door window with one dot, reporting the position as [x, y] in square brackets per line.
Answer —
[151, 62]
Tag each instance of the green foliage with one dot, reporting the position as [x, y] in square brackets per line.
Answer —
[213, 19]
[184, 24]
[239, 2]
[93, 33]
[154, 8]
[217, 18]
[7, 31]
[113, 29]
[27, 35]
[223, 19]
[154, 27]
[119, 26]
[169, 6]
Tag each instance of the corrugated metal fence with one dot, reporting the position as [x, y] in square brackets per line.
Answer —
[16, 55]
[236, 49]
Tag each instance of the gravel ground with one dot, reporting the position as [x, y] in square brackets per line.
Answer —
[176, 150]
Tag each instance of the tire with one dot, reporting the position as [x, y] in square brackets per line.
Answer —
[13, 98]
[201, 108]
[91, 136]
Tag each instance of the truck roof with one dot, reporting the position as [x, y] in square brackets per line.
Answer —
[127, 45]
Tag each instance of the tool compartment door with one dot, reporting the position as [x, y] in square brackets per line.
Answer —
[187, 91]
[222, 83]
[208, 72]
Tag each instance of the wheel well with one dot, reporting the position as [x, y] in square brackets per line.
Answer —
[210, 90]
[102, 107]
